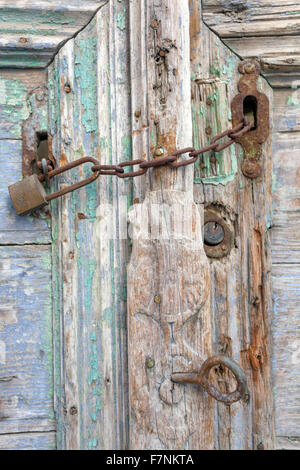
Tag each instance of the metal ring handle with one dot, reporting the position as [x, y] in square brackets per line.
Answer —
[239, 374]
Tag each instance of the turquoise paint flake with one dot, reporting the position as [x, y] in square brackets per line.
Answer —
[103, 143]
[121, 20]
[78, 240]
[86, 74]
[126, 147]
[93, 443]
[13, 107]
[93, 336]
[88, 283]
[292, 101]
[94, 374]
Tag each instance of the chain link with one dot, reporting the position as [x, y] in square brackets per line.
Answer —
[170, 160]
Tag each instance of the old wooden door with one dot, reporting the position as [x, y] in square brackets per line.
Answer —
[99, 315]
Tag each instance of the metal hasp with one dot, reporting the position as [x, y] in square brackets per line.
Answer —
[251, 102]
[202, 378]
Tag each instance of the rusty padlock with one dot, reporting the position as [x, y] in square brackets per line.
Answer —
[28, 195]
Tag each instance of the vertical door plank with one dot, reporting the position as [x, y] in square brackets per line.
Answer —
[93, 119]
[169, 322]
[286, 267]
[241, 288]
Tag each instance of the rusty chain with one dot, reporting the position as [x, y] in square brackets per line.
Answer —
[170, 160]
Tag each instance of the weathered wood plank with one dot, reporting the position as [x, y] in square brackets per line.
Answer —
[26, 377]
[252, 17]
[288, 443]
[14, 229]
[286, 266]
[241, 291]
[14, 105]
[28, 441]
[169, 322]
[286, 350]
[32, 33]
[285, 231]
[262, 29]
[89, 242]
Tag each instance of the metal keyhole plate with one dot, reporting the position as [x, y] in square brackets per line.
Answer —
[213, 233]
[218, 234]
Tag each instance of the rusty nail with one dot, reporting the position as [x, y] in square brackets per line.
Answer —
[67, 88]
[260, 446]
[251, 168]
[208, 130]
[150, 363]
[154, 24]
[157, 299]
[138, 113]
[40, 96]
[73, 410]
[249, 68]
[23, 40]
[156, 122]
[159, 152]
[209, 102]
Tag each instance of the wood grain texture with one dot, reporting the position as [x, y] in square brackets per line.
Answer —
[90, 247]
[263, 29]
[286, 266]
[288, 443]
[241, 290]
[28, 441]
[32, 33]
[14, 104]
[286, 351]
[26, 373]
[169, 322]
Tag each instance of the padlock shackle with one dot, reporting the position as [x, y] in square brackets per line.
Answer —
[73, 187]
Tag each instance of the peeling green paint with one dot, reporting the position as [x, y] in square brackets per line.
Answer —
[85, 69]
[92, 443]
[293, 101]
[88, 280]
[126, 147]
[121, 20]
[13, 107]
[34, 17]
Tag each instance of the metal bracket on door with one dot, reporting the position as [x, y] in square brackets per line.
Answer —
[36, 141]
[254, 105]
[202, 378]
